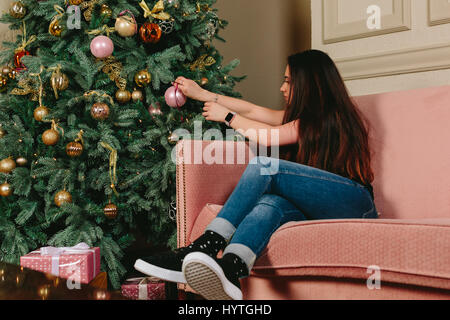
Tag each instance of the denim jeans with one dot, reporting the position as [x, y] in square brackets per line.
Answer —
[262, 202]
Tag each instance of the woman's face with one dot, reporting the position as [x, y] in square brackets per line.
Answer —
[286, 87]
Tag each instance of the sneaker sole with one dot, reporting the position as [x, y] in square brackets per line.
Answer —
[158, 272]
[206, 277]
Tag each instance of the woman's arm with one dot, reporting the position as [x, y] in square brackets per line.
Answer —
[249, 110]
[246, 109]
[262, 133]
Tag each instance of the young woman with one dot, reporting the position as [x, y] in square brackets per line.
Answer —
[324, 173]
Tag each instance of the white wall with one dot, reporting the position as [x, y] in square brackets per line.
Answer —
[404, 53]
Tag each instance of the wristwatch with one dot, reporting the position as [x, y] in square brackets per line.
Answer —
[230, 116]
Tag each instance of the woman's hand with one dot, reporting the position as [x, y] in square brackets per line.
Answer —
[215, 112]
[192, 90]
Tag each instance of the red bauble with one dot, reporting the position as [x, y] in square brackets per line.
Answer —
[17, 59]
[150, 32]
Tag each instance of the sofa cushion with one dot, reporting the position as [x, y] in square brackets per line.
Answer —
[409, 136]
[415, 252]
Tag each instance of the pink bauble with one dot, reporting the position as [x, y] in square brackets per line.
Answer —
[174, 97]
[102, 47]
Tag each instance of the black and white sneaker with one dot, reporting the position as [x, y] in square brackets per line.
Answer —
[167, 266]
[215, 279]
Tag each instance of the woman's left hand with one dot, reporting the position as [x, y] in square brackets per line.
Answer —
[215, 112]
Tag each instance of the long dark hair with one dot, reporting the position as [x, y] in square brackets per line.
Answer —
[333, 132]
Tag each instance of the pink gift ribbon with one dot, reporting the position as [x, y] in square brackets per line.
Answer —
[55, 252]
[142, 286]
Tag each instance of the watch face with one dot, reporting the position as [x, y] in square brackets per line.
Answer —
[229, 117]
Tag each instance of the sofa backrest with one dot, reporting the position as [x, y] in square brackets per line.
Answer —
[410, 141]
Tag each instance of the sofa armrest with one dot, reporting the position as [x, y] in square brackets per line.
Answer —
[206, 172]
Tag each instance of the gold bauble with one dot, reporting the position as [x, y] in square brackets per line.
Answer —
[143, 78]
[125, 26]
[123, 96]
[59, 81]
[5, 190]
[7, 165]
[74, 149]
[137, 95]
[2, 133]
[3, 82]
[75, 2]
[110, 211]
[40, 112]
[12, 74]
[21, 161]
[17, 10]
[55, 28]
[173, 138]
[105, 11]
[100, 111]
[62, 197]
[50, 137]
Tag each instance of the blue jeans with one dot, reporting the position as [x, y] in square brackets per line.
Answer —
[263, 202]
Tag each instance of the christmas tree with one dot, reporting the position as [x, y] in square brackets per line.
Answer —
[86, 129]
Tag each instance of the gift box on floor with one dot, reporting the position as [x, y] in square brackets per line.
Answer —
[149, 288]
[79, 263]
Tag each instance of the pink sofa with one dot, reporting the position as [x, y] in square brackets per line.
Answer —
[329, 259]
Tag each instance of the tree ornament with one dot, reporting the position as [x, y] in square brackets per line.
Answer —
[112, 165]
[3, 83]
[167, 26]
[102, 47]
[6, 70]
[21, 161]
[100, 111]
[137, 95]
[174, 97]
[5, 190]
[126, 25]
[2, 133]
[18, 57]
[50, 137]
[55, 28]
[110, 211]
[105, 11]
[150, 33]
[17, 10]
[59, 81]
[40, 112]
[123, 96]
[155, 111]
[156, 13]
[75, 148]
[143, 78]
[204, 81]
[7, 165]
[12, 74]
[75, 2]
[62, 197]
[173, 138]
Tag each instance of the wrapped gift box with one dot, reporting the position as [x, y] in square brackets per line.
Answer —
[79, 263]
[149, 288]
